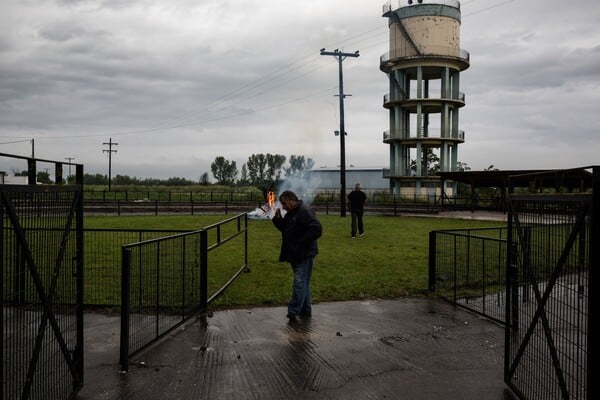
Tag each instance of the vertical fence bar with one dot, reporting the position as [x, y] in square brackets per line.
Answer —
[432, 260]
[125, 283]
[80, 254]
[183, 286]
[203, 270]
[483, 274]
[593, 355]
[2, 267]
[157, 292]
[454, 269]
[246, 241]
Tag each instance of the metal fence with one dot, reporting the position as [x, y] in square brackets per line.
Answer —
[468, 268]
[165, 203]
[102, 271]
[538, 276]
[41, 261]
[549, 344]
[166, 280]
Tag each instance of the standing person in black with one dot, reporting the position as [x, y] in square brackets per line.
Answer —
[300, 230]
[356, 201]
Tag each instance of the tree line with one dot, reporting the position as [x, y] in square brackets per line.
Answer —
[260, 169]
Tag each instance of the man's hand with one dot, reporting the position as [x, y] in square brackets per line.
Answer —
[278, 213]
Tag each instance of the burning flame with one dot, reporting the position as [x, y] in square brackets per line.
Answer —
[271, 198]
[266, 211]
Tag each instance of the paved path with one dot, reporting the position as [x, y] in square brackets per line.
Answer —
[409, 348]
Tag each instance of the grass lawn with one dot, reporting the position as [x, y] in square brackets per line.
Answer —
[389, 261]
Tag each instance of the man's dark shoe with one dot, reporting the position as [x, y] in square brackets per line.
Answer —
[291, 316]
[305, 314]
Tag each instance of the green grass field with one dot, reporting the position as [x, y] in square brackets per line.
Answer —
[389, 261]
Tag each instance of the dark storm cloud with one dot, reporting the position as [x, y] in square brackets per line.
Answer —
[192, 80]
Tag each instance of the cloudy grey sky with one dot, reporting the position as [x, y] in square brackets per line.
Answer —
[178, 83]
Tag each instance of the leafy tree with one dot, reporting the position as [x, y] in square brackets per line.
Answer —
[244, 177]
[123, 180]
[274, 166]
[298, 165]
[177, 181]
[429, 159]
[43, 177]
[224, 171]
[257, 169]
[462, 167]
[97, 179]
[204, 179]
[264, 169]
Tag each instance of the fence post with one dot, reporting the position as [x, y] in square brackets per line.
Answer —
[125, 300]
[245, 242]
[593, 371]
[432, 254]
[80, 241]
[203, 270]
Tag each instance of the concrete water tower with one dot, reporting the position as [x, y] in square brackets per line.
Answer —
[423, 67]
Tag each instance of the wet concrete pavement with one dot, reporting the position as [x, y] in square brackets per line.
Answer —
[409, 348]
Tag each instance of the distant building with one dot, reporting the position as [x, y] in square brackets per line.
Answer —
[328, 179]
[13, 180]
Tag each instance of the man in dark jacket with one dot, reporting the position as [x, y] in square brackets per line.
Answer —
[300, 230]
[356, 200]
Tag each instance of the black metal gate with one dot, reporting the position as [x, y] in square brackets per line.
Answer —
[41, 286]
[549, 305]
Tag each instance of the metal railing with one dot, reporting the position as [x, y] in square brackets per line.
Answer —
[166, 280]
[538, 276]
[430, 52]
[550, 348]
[198, 196]
[468, 268]
[394, 5]
[41, 286]
[103, 262]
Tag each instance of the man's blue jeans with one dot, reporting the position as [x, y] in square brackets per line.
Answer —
[357, 219]
[300, 301]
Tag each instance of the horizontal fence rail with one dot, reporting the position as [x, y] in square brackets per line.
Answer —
[166, 280]
[133, 202]
[468, 268]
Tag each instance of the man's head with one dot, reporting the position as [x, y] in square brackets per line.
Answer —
[357, 186]
[288, 200]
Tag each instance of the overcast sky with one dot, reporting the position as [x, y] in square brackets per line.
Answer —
[177, 83]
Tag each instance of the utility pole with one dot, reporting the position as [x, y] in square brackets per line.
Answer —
[341, 56]
[69, 159]
[109, 151]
